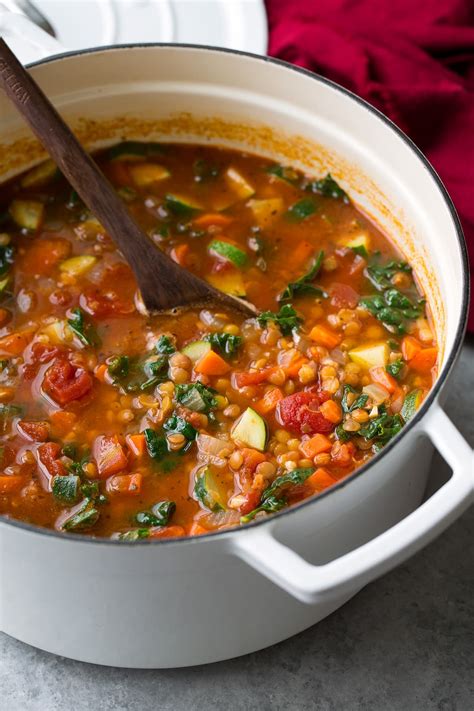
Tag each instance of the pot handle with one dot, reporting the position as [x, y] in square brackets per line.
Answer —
[28, 36]
[310, 583]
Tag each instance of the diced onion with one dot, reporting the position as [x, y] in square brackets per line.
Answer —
[376, 392]
[213, 450]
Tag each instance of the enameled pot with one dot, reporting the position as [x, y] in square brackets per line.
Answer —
[191, 601]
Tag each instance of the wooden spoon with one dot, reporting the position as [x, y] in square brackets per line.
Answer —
[163, 284]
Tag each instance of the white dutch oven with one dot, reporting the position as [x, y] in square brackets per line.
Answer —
[192, 601]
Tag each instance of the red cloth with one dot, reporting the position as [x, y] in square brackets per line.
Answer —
[412, 60]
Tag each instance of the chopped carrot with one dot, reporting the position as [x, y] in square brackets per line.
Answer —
[317, 444]
[291, 370]
[300, 254]
[196, 529]
[253, 377]
[136, 444]
[167, 532]
[323, 336]
[11, 484]
[179, 254]
[124, 484]
[320, 480]
[424, 360]
[62, 422]
[269, 401]
[211, 364]
[410, 347]
[14, 343]
[109, 455]
[331, 410]
[212, 218]
[100, 372]
[379, 375]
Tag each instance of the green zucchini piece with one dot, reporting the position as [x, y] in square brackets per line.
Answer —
[196, 350]
[83, 519]
[251, 430]
[40, 175]
[27, 213]
[411, 404]
[66, 488]
[181, 206]
[209, 490]
[228, 251]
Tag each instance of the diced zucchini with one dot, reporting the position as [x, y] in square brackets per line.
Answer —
[229, 251]
[181, 206]
[27, 213]
[145, 174]
[230, 282]
[266, 211]
[40, 175]
[209, 490]
[134, 150]
[77, 266]
[411, 404]
[251, 430]
[196, 350]
[238, 184]
[370, 356]
[360, 240]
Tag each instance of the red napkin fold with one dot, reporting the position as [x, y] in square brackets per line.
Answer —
[412, 60]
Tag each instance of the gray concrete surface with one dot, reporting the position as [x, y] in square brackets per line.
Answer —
[405, 642]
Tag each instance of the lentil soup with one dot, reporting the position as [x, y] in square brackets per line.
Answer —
[121, 425]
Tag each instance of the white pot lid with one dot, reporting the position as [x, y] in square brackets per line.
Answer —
[79, 24]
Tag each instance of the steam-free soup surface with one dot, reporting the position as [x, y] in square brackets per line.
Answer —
[117, 424]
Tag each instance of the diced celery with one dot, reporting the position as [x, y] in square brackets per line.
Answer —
[27, 213]
[77, 266]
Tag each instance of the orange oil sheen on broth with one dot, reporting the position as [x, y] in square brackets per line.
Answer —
[117, 424]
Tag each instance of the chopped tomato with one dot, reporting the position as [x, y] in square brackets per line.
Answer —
[103, 304]
[34, 431]
[44, 254]
[252, 500]
[301, 413]
[65, 382]
[252, 377]
[342, 454]
[109, 455]
[49, 456]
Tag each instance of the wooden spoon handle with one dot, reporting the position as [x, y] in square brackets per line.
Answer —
[163, 284]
